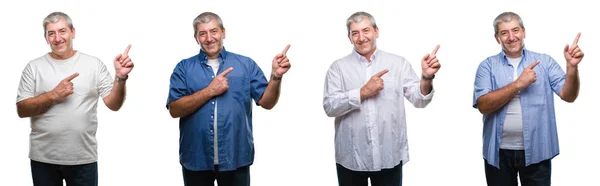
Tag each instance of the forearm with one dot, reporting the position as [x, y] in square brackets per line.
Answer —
[570, 90]
[185, 105]
[495, 100]
[338, 104]
[36, 105]
[117, 96]
[271, 94]
[426, 86]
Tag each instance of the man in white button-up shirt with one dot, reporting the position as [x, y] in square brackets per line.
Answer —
[363, 91]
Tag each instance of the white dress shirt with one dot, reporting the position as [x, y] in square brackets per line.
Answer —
[371, 135]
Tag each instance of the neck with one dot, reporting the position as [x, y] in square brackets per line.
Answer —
[67, 55]
[368, 56]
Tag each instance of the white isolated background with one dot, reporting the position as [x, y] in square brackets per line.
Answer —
[138, 145]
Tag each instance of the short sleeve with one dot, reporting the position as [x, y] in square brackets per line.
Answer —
[258, 82]
[27, 84]
[105, 80]
[177, 86]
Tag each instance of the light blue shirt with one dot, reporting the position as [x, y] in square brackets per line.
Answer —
[537, 102]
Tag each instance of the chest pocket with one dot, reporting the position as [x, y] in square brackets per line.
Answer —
[239, 88]
[390, 87]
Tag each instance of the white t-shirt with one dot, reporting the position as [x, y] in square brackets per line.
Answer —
[66, 133]
[214, 64]
[512, 132]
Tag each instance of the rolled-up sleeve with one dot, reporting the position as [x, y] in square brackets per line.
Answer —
[483, 82]
[556, 74]
[412, 87]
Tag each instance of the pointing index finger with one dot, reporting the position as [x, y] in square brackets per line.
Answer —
[286, 49]
[127, 50]
[71, 77]
[576, 39]
[435, 49]
[533, 64]
[224, 73]
[384, 71]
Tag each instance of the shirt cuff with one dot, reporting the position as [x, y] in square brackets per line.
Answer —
[428, 96]
[354, 98]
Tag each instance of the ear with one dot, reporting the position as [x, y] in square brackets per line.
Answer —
[497, 39]
[350, 38]
[524, 33]
[46, 37]
[377, 32]
[223, 36]
[73, 33]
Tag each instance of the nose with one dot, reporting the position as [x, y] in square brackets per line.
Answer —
[361, 37]
[209, 38]
[511, 36]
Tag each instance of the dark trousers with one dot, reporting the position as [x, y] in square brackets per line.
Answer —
[384, 177]
[512, 162]
[45, 174]
[238, 177]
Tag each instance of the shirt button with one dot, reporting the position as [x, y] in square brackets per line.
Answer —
[211, 116]
[211, 131]
[212, 76]
[213, 102]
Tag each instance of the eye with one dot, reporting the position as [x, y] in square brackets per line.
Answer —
[201, 33]
[50, 34]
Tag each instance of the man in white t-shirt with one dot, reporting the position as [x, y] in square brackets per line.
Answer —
[59, 91]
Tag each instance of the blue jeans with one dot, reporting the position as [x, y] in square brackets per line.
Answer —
[238, 177]
[45, 174]
[384, 177]
[512, 162]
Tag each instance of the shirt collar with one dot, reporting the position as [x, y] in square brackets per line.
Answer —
[204, 58]
[361, 58]
[505, 59]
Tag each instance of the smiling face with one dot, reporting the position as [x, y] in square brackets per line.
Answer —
[210, 37]
[60, 38]
[510, 36]
[363, 35]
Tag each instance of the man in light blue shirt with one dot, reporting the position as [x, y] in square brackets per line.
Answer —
[513, 90]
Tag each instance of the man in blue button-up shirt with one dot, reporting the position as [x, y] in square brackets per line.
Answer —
[212, 93]
[514, 92]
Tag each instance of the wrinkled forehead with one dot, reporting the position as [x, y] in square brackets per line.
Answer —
[60, 24]
[212, 24]
[360, 25]
[509, 25]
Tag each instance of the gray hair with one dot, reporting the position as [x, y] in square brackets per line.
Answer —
[55, 17]
[206, 17]
[358, 17]
[506, 17]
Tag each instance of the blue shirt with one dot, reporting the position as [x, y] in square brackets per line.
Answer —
[540, 138]
[234, 115]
